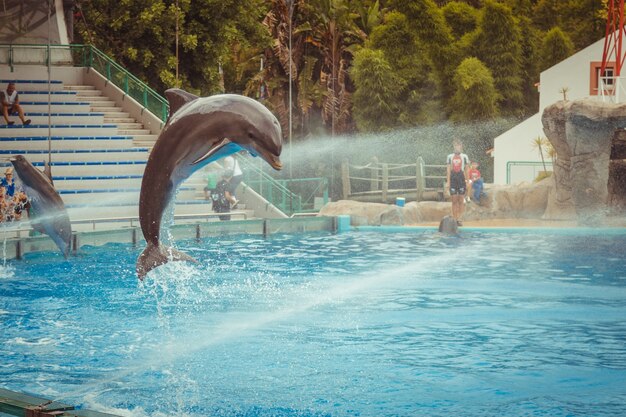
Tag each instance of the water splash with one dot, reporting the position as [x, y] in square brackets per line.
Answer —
[202, 330]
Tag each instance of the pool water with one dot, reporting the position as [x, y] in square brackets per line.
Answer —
[355, 324]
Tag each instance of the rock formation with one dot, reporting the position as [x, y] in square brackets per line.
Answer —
[526, 201]
[582, 134]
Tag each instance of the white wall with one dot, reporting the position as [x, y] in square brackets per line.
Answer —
[515, 145]
[573, 73]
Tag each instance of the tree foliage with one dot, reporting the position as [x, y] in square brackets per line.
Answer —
[555, 48]
[475, 96]
[410, 63]
[375, 99]
[498, 46]
[418, 52]
[461, 17]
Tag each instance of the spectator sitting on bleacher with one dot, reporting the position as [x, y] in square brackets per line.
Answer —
[21, 205]
[8, 182]
[11, 104]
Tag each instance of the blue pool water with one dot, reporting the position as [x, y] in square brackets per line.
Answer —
[355, 324]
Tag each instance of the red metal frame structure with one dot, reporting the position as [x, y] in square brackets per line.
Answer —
[613, 54]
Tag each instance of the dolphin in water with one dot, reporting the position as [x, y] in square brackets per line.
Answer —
[47, 209]
[198, 131]
[448, 226]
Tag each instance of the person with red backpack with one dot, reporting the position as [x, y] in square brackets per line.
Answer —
[457, 174]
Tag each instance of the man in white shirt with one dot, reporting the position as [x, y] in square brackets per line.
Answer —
[231, 164]
[11, 104]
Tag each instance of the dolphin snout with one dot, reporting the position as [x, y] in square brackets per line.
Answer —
[275, 163]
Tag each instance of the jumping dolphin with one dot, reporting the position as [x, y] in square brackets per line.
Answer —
[448, 226]
[48, 211]
[198, 131]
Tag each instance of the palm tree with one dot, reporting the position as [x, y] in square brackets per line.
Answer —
[274, 77]
[335, 33]
[539, 143]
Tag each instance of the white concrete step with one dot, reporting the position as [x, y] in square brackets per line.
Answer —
[83, 155]
[89, 92]
[130, 126]
[18, 130]
[108, 109]
[97, 182]
[100, 106]
[59, 106]
[144, 141]
[78, 87]
[93, 99]
[83, 211]
[93, 168]
[118, 120]
[43, 96]
[114, 196]
[65, 118]
[115, 114]
[133, 132]
[28, 84]
[70, 142]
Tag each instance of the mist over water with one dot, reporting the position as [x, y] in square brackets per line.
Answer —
[316, 155]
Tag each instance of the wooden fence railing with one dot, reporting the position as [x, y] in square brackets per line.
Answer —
[381, 181]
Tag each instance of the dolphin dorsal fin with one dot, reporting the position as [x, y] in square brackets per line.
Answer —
[177, 98]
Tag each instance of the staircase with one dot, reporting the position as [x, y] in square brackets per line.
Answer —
[99, 151]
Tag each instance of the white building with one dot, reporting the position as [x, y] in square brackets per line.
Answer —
[515, 159]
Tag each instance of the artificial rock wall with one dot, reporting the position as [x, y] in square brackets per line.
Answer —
[585, 134]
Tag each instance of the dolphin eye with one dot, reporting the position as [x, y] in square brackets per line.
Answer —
[250, 135]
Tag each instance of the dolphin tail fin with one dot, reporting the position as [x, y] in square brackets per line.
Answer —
[154, 256]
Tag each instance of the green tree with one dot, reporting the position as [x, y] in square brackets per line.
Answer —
[530, 43]
[548, 14]
[376, 95]
[584, 21]
[410, 63]
[460, 17]
[141, 37]
[556, 46]
[335, 34]
[433, 32]
[475, 96]
[497, 45]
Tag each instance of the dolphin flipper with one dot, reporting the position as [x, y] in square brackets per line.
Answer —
[154, 256]
[47, 170]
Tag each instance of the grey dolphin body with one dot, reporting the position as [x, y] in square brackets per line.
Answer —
[199, 131]
[448, 226]
[47, 209]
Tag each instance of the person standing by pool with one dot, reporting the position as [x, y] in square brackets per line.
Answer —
[231, 164]
[456, 179]
[223, 195]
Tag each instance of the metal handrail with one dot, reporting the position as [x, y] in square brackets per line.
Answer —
[533, 164]
[91, 57]
[24, 226]
[266, 185]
